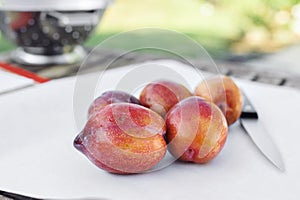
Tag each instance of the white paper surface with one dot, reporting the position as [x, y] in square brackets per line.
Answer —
[37, 129]
[9, 81]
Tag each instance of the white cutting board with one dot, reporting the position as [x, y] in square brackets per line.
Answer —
[10, 82]
[37, 128]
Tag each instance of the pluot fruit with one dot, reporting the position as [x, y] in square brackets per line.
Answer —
[123, 138]
[196, 130]
[162, 95]
[222, 91]
[110, 97]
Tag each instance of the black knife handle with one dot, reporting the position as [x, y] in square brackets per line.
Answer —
[14, 196]
[248, 111]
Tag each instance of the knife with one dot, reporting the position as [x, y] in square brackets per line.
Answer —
[250, 122]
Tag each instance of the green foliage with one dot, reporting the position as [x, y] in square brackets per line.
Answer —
[218, 25]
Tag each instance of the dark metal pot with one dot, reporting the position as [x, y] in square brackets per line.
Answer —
[51, 32]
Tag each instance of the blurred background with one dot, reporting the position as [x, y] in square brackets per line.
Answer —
[223, 27]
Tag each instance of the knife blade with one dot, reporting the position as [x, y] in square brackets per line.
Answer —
[252, 125]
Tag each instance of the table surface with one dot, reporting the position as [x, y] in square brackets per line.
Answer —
[234, 67]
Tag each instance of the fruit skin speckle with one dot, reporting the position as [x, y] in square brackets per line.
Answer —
[109, 97]
[123, 138]
[222, 91]
[196, 130]
[161, 96]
